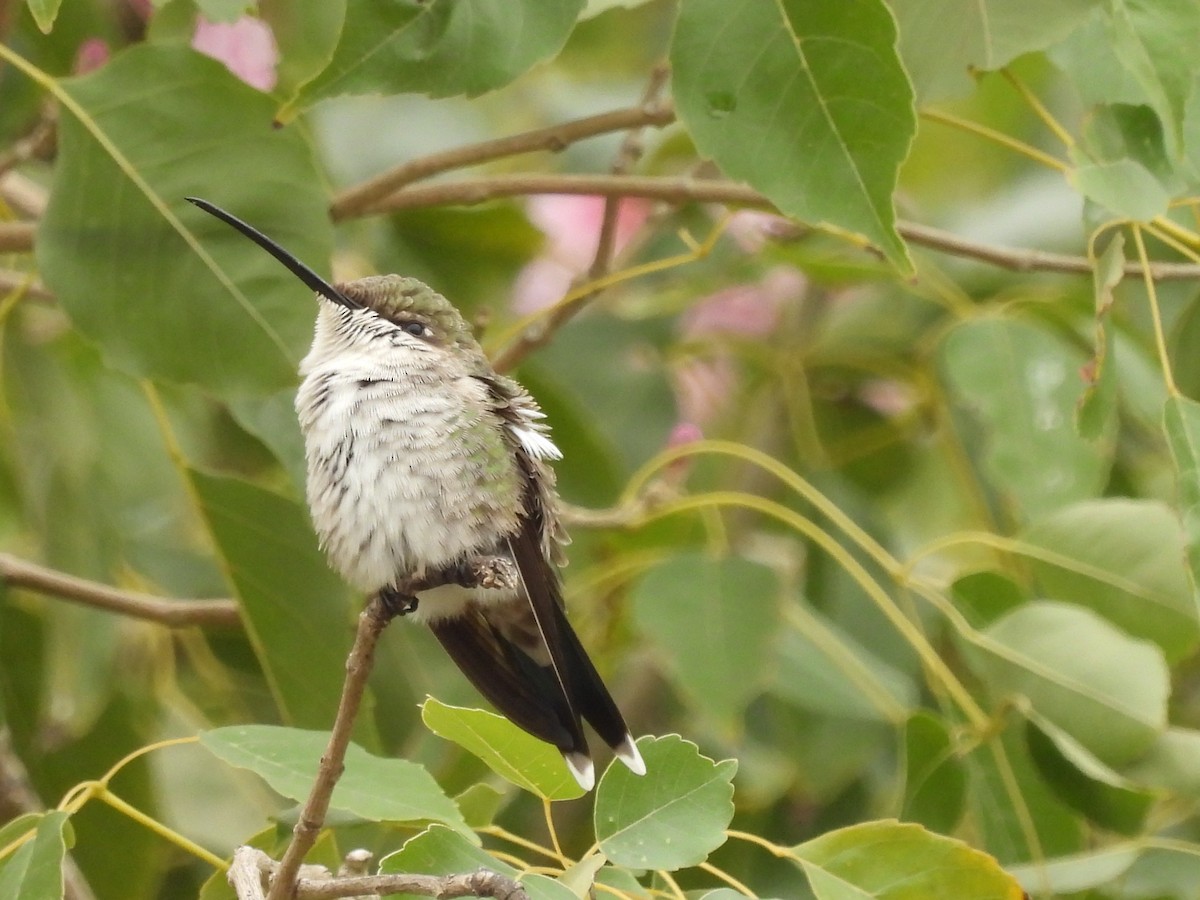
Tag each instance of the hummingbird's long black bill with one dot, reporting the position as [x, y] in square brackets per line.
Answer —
[314, 281]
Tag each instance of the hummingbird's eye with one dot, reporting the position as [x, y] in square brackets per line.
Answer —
[416, 329]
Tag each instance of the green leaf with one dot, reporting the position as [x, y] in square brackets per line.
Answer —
[1181, 422]
[129, 259]
[1105, 689]
[35, 869]
[941, 41]
[1151, 38]
[1124, 187]
[983, 597]
[818, 117]
[294, 607]
[822, 668]
[935, 780]
[1079, 872]
[1097, 406]
[889, 860]
[307, 31]
[1028, 823]
[1021, 385]
[479, 804]
[382, 790]
[440, 851]
[508, 751]
[44, 13]
[1124, 560]
[1172, 763]
[1086, 784]
[670, 818]
[713, 620]
[441, 49]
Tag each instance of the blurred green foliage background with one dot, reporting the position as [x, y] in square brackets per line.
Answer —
[879, 437]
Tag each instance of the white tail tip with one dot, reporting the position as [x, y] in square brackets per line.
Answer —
[582, 769]
[627, 752]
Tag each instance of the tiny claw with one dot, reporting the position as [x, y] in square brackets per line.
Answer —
[396, 603]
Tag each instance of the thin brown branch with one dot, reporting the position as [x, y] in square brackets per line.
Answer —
[366, 197]
[470, 191]
[16, 237]
[681, 190]
[371, 622]
[26, 284]
[170, 612]
[39, 143]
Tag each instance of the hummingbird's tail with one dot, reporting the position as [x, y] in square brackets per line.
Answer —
[547, 700]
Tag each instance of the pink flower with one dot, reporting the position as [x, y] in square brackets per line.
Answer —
[682, 434]
[572, 227]
[705, 383]
[246, 47]
[91, 55]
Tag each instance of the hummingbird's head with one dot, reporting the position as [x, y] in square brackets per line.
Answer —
[362, 311]
[410, 306]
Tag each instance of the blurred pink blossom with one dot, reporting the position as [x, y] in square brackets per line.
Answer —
[751, 229]
[705, 383]
[142, 8]
[91, 55]
[246, 47]
[887, 397]
[571, 224]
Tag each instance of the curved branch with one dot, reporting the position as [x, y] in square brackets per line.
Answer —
[169, 612]
[555, 138]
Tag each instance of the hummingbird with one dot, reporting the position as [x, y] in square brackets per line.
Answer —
[427, 467]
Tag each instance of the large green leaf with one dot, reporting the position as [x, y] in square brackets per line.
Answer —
[1105, 689]
[35, 869]
[807, 102]
[164, 289]
[1151, 38]
[1086, 784]
[1123, 559]
[890, 860]
[935, 779]
[714, 620]
[820, 667]
[673, 816]
[467, 47]
[1181, 422]
[294, 607]
[508, 751]
[1020, 382]
[943, 40]
[382, 790]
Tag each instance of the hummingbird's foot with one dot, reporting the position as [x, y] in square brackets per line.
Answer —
[494, 572]
[397, 603]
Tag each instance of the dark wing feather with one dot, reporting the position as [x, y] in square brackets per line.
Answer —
[585, 691]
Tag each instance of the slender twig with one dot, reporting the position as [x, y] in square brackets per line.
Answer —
[627, 156]
[25, 283]
[357, 200]
[16, 237]
[165, 611]
[371, 622]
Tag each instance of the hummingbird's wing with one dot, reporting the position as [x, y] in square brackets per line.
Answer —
[527, 693]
